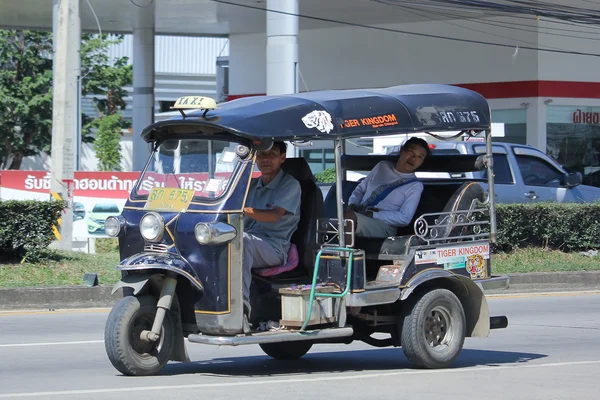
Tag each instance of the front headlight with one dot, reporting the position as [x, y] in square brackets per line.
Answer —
[152, 227]
[202, 232]
[214, 232]
[113, 226]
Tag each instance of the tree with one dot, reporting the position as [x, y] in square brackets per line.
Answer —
[105, 79]
[107, 144]
[26, 90]
[25, 95]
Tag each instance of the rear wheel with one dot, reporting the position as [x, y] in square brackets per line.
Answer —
[286, 350]
[433, 333]
[128, 353]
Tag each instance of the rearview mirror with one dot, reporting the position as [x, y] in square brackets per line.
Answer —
[573, 179]
[170, 145]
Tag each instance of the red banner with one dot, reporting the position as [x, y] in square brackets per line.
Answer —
[115, 185]
[111, 185]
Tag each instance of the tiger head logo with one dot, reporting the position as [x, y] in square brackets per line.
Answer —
[476, 266]
[320, 120]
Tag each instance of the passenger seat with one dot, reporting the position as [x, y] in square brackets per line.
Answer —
[311, 208]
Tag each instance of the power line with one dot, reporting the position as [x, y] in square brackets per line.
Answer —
[407, 9]
[395, 3]
[379, 28]
[414, 11]
[538, 8]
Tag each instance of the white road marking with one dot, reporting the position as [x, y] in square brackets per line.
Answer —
[310, 379]
[51, 343]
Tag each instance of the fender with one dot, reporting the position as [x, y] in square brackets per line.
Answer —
[470, 295]
[153, 261]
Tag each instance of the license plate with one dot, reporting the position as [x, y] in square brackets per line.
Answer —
[169, 199]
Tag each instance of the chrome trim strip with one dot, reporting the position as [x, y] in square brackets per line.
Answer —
[373, 297]
[271, 337]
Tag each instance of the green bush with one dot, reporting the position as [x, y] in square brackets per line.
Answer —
[326, 176]
[26, 228]
[556, 226]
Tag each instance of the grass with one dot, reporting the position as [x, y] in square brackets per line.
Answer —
[61, 269]
[66, 269]
[542, 260]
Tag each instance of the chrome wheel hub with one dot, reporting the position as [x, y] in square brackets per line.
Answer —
[438, 326]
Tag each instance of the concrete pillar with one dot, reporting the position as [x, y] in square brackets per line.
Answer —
[282, 47]
[143, 79]
[282, 50]
[66, 66]
[536, 124]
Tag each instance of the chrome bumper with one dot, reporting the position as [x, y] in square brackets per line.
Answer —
[501, 282]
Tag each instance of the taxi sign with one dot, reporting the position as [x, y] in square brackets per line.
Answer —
[169, 199]
[195, 102]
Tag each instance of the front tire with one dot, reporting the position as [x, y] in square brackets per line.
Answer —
[126, 351]
[286, 350]
[433, 332]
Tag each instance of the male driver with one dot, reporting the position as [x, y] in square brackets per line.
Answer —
[388, 197]
[271, 216]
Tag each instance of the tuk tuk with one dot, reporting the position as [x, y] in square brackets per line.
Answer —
[180, 235]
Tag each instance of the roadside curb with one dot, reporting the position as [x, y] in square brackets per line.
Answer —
[57, 297]
[552, 278]
[45, 298]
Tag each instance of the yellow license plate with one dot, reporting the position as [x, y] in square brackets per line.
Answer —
[169, 199]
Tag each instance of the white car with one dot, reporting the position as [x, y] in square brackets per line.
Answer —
[525, 174]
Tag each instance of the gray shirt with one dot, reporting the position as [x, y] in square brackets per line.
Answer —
[283, 191]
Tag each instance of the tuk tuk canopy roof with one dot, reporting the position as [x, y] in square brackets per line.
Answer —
[339, 114]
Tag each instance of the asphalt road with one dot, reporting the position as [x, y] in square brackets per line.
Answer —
[549, 351]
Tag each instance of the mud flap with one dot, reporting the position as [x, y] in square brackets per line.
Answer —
[179, 350]
[135, 282]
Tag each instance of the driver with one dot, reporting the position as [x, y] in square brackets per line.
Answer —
[272, 214]
[388, 197]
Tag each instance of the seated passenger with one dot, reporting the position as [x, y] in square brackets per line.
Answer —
[388, 197]
[272, 213]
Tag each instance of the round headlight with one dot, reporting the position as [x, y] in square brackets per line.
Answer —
[152, 227]
[112, 226]
[203, 233]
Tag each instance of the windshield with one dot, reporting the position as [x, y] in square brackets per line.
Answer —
[202, 165]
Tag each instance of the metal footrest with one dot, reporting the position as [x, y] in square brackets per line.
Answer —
[271, 337]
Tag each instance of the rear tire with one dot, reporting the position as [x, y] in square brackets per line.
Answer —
[126, 351]
[433, 333]
[286, 350]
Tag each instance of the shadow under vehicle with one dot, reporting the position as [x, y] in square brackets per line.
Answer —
[181, 235]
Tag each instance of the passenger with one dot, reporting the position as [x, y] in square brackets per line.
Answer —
[272, 213]
[388, 197]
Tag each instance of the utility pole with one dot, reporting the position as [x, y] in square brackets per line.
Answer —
[66, 66]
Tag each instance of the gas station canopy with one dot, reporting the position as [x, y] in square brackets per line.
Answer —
[208, 17]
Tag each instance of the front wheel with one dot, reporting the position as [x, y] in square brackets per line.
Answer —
[127, 352]
[433, 332]
[286, 350]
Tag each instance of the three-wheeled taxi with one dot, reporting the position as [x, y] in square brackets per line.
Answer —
[181, 235]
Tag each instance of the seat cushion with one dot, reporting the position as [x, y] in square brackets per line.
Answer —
[292, 262]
